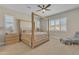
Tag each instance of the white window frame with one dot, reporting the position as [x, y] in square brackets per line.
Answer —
[60, 25]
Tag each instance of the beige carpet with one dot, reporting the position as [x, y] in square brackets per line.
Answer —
[14, 48]
[52, 47]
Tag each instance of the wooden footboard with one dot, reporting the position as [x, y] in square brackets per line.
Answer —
[26, 38]
[36, 44]
[38, 39]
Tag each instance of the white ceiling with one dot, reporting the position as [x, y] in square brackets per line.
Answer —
[28, 8]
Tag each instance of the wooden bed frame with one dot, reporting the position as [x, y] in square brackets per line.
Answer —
[30, 39]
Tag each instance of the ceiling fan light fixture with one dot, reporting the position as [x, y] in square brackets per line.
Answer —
[43, 10]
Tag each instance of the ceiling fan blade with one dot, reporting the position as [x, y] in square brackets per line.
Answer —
[47, 9]
[43, 6]
[38, 10]
[39, 6]
[48, 6]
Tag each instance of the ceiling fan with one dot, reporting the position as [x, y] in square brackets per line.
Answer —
[44, 8]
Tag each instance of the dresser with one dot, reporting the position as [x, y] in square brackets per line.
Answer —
[11, 38]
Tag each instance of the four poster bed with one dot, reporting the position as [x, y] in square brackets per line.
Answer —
[32, 33]
[33, 37]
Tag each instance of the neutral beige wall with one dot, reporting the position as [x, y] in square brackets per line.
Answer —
[72, 23]
[18, 15]
[44, 24]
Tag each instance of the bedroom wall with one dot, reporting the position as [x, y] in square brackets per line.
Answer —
[4, 11]
[16, 14]
[72, 23]
[44, 24]
[26, 25]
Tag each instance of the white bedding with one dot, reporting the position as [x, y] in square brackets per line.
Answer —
[36, 33]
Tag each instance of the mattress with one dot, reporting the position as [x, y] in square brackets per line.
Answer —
[36, 33]
[37, 37]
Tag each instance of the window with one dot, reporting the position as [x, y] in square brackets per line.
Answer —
[63, 24]
[58, 24]
[52, 27]
[9, 24]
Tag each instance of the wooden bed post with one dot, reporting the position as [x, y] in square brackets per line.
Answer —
[19, 29]
[48, 29]
[33, 28]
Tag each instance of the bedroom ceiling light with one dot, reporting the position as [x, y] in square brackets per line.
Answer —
[43, 10]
